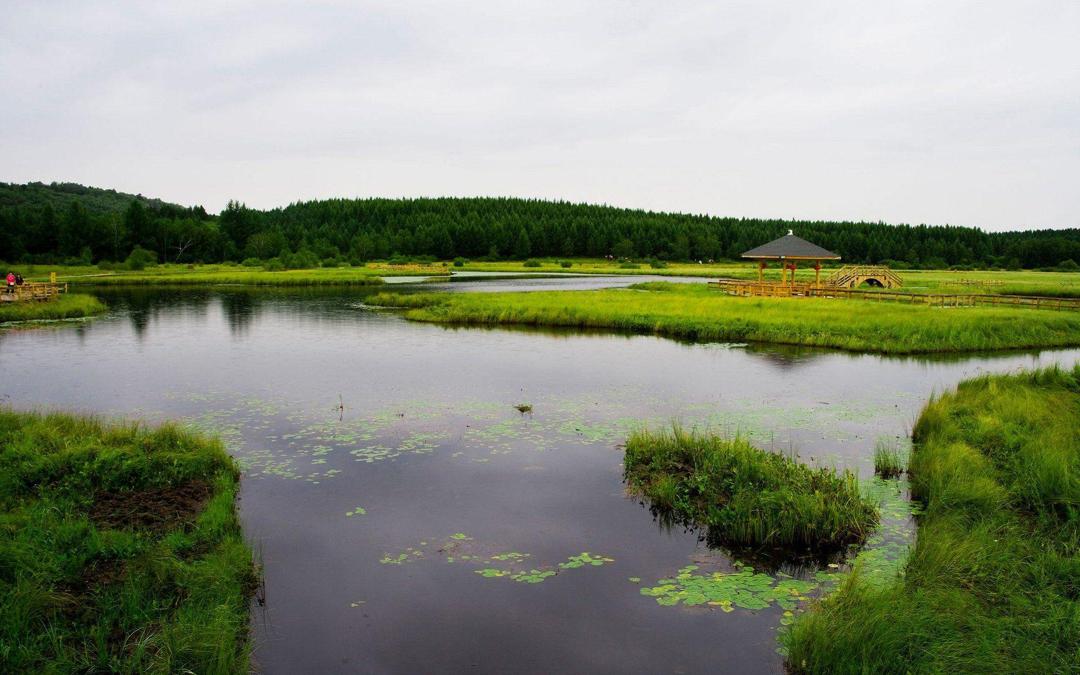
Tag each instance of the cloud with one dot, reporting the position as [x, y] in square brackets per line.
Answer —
[958, 112]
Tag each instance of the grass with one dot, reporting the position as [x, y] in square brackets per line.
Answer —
[206, 275]
[67, 306]
[1024, 282]
[993, 582]
[120, 549]
[888, 460]
[695, 312]
[747, 497]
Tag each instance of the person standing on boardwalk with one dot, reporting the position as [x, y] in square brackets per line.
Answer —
[11, 283]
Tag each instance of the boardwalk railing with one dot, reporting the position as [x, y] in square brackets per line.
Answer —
[855, 275]
[755, 289]
[33, 290]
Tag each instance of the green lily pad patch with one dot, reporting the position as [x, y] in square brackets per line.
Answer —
[742, 588]
[491, 562]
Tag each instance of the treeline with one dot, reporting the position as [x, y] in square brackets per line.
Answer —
[64, 222]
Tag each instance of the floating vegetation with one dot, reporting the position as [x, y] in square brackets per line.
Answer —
[358, 511]
[523, 408]
[743, 588]
[583, 559]
[460, 547]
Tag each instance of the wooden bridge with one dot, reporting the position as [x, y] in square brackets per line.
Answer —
[853, 276]
[33, 291]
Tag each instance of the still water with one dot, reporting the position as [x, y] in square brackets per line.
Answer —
[410, 519]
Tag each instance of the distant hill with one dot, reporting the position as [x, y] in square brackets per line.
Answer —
[60, 195]
[64, 221]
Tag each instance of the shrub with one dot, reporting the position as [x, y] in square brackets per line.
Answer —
[657, 264]
[629, 266]
[140, 258]
[251, 262]
[532, 263]
[459, 262]
[566, 264]
[1068, 266]
[274, 265]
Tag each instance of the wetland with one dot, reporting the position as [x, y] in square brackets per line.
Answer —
[427, 497]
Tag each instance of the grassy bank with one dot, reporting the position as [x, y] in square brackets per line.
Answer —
[745, 496]
[120, 550]
[1021, 282]
[67, 306]
[993, 583]
[210, 275]
[693, 311]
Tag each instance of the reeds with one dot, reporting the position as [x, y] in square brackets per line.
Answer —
[889, 459]
[747, 497]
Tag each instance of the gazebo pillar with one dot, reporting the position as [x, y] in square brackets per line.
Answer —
[817, 273]
[761, 272]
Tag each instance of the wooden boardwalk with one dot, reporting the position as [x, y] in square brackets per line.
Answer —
[756, 289]
[30, 291]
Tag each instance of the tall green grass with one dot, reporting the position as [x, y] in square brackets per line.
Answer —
[82, 589]
[67, 306]
[693, 311]
[747, 497]
[993, 582]
[889, 460]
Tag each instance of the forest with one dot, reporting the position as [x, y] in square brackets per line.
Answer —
[70, 223]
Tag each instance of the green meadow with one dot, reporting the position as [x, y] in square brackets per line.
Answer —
[120, 550]
[696, 312]
[1019, 282]
[991, 585]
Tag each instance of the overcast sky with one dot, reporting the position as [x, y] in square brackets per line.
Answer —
[939, 112]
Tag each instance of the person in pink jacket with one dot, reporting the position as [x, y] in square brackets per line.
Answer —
[10, 282]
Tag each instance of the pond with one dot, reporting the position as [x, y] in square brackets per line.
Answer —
[411, 519]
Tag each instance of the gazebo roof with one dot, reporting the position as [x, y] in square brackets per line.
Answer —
[790, 247]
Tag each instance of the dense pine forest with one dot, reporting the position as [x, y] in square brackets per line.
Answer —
[69, 223]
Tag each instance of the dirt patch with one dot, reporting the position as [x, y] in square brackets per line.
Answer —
[157, 509]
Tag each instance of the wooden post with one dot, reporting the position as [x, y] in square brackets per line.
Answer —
[817, 273]
[761, 272]
[794, 266]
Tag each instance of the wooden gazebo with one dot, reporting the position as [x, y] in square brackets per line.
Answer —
[788, 251]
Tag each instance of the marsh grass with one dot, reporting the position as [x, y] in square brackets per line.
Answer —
[67, 306]
[695, 312]
[209, 275]
[889, 460]
[747, 497]
[120, 549]
[992, 582]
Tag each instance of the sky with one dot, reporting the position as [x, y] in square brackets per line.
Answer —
[938, 112]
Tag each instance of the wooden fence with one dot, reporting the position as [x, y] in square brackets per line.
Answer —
[33, 290]
[755, 289]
